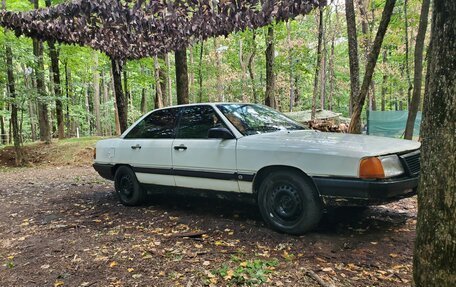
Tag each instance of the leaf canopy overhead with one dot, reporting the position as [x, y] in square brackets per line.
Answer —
[140, 28]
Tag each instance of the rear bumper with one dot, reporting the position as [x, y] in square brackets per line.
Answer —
[358, 192]
[104, 170]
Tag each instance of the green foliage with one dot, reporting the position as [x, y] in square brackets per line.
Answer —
[235, 86]
[247, 273]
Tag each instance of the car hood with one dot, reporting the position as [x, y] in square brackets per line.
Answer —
[331, 143]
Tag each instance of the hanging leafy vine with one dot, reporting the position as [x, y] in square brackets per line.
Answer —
[140, 28]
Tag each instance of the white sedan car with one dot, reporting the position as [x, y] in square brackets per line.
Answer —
[292, 172]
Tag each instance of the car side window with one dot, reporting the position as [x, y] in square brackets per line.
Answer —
[195, 122]
[158, 125]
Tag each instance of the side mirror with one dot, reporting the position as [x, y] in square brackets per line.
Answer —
[220, 133]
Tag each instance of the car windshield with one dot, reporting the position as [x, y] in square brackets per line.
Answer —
[252, 119]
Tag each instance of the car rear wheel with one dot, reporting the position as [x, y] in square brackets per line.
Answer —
[289, 203]
[127, 187]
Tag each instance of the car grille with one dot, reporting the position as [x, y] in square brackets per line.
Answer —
[411, 162]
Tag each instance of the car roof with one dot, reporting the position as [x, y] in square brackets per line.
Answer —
[204, 104]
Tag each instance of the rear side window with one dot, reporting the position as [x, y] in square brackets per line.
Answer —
[195, 122]
[157, 125]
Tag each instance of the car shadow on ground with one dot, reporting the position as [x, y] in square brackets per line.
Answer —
[215, 211]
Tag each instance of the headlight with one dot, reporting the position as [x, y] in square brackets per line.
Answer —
[380, 167]
[391, 165]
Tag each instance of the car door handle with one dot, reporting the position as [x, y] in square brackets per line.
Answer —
[179, 147]
[136, 146]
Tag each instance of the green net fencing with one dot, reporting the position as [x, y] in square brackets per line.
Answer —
[391, 124]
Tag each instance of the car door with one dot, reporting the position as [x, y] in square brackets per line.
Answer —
[200, 162]
[147, 147]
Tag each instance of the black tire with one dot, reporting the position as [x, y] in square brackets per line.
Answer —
[127, 187]
[289, 203]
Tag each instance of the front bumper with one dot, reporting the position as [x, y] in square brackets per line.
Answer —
[104, 170]
[359, 192]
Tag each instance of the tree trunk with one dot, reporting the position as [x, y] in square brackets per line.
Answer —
[191, 74]
[116, 110]
[297, 91]
[407, 52]
[317, 66]
[324, 56]
[125, 82]
[96, 95]
[2, 109]
[362, 4]
[30, 105]
[10, 128]
[105, 84]
[269, 99]
[87, 108]
[181, 76]
[417, 76]
[67, 92]
[3, 139]
[364, 27]
[332, 73]
[385, 79]
[43, 117]
[161, 78]
[323, 73]
[435, 246]
[2, 131]
[290, 63]
[250, 67]
[54, 55]
[160, 84]
[121, 102]
[218, 65]
[14, 107]
[332, 77]
[55, 71]
[200, 73]
[243, 70]
[355, 123]
[143, 101]
[352, 54]
[169, 84]
[373, 105]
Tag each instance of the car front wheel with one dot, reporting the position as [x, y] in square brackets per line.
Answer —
[289, 203]
[127, 187]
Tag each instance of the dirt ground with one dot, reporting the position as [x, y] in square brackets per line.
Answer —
[63, 226]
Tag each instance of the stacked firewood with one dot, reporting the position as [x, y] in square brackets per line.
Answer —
[328, 125]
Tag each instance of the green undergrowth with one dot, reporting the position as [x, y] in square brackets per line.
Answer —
[72, 151]
[239, 272]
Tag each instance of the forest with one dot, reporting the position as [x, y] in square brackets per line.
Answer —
[294, 65]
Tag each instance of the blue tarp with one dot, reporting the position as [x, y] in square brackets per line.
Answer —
[390, 123]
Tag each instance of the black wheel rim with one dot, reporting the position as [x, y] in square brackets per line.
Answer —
[126, 187]
[284, 204]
